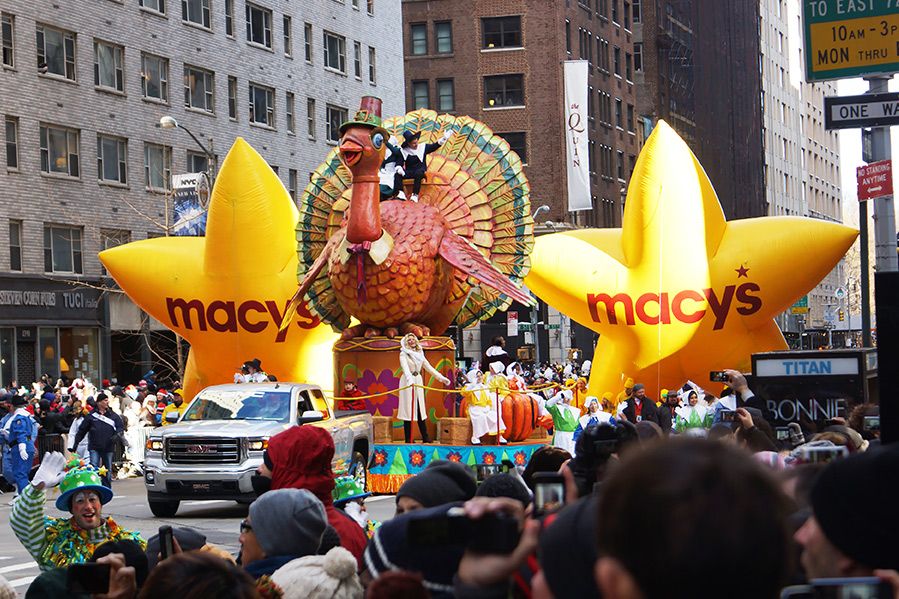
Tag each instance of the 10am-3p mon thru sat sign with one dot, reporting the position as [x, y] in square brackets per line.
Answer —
[850, 38]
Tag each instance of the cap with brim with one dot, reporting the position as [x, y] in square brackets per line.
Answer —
[369, 114]
[346, 489]
[81, 479]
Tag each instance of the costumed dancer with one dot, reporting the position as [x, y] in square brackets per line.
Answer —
[19, 434]
[516, 380]
[412, 399]
[391, 174]
[415, 160]
[349, 496]
[593, 417]
[60, 542]
[481, 408]
[565, 419]
[692, 418]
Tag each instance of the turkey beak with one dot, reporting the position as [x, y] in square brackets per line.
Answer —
[351, 152]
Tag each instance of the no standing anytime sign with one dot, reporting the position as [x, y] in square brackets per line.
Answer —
[850, 38]
[875, 180]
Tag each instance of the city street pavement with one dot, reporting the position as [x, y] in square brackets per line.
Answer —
[218, 520]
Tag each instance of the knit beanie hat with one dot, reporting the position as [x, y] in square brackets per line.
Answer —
[854, 503]
[567, 549]
[505, 485]
[329, 576]
[6, 590]
[288, 522]
[441, 482]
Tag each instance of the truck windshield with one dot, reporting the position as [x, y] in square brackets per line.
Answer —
[240, 405]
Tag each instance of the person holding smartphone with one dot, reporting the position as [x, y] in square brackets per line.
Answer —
[59, 542]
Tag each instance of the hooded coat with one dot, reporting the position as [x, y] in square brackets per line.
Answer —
[301, 458]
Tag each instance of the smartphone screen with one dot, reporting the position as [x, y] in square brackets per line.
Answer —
[851, 588]
[821, 455]
[718, 376]
[90, 578]
[485, 471]
[783, 433]
[872, 423]
[549, 492]
[728, 415]
[166, 546]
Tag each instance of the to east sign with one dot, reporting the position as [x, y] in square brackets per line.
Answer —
[866, 110]
[850, 38]
[875, 180]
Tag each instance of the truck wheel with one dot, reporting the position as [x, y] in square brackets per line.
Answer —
[358, 469]
[164, 509]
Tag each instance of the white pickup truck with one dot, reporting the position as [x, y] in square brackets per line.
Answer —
[216, 446]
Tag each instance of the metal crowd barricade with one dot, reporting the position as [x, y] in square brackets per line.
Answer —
[50, 442]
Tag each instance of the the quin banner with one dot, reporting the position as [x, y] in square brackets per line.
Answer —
[189, 202]
[576, 135]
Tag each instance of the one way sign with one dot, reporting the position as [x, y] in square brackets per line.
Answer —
[867, 110]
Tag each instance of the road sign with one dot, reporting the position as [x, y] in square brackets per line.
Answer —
[801, 306]
[875, 180]
[511, 324]
[866, 110]
[850, 38]
[840, 293]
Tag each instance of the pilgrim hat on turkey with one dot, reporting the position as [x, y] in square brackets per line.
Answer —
[368, 115]
[408, 136]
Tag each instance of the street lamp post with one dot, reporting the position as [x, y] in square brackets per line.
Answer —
[168, 122]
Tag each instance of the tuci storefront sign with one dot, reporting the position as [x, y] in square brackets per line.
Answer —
[35, 299]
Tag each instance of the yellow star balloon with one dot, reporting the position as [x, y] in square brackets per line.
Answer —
[225, 293]
[678, 291]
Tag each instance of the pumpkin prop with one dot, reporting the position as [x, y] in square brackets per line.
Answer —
[520, 413]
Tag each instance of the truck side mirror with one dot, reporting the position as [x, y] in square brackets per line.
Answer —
[172, 417]
[311, 416]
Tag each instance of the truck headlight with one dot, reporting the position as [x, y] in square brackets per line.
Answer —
[258, 444]
[154, 445]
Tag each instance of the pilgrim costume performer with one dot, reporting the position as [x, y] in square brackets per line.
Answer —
[481, 408]
[60, 542]
[565, 419]
[390, 176]
[415, 161]
[412, 399]
[593, 417]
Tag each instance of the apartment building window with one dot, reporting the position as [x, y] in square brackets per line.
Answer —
[199, 89]
[356, 4]
[112, 159]
[56, 51]
[292, 184]
[259, 25]
[7, 31]
[616, 60]
[195, 11]
[615, 11]
[154, 5]
[310, 117]
[620, 165]
[15, 245]
[446, 95]
[372, 66]
[603, 54]
[501, 32]
[357, 59]
[307, 42]
[335, 51]
[628, 73]
[262, 105]
[591, 156]
[154, 79]
[591, 110]
[638, 57]
[229, 18]
[603, 8]
[371, 7]
[420, 94]
[157, 167]
[232, 98]
[568, 36]
[619, 117]
[335, 116]
[62, 249]
[288, 36]
[443, 31]
[518, 142]
[289, 110]
[637, 13]
[627, 14]
[630, 118]
[108, 72]
[503, 90]
[197, 162]
[11, 125]
[59, 151]
[419, 33]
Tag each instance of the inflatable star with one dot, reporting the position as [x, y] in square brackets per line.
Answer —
[678, 291]
[225, 293]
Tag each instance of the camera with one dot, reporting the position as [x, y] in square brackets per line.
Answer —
[851, 588]
[821, 455]
[728, 415]
[491, 534]
[782, 433]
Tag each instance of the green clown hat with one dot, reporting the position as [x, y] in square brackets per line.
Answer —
[369, 114]
[347, 488]
[81, 477]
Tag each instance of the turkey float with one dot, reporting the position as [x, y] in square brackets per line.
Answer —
[459, 254]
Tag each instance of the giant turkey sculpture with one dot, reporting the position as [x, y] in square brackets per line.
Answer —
[401, 266]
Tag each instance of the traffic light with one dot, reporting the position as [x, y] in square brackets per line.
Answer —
[842, 316]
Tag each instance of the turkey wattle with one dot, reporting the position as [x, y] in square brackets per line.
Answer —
[458, 253]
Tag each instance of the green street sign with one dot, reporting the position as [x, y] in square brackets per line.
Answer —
[850, 38]
[552, 327]
[801, 306]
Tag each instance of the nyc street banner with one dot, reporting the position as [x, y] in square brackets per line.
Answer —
[576, 135]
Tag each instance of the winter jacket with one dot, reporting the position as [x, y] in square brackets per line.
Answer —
[101, 430]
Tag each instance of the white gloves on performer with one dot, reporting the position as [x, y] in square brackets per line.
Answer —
[50, 472]
[400, 171]
[23, 451]
[444, 380]
[446, 135]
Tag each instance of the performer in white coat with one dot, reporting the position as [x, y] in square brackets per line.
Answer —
[412, 400]
[481, 408]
